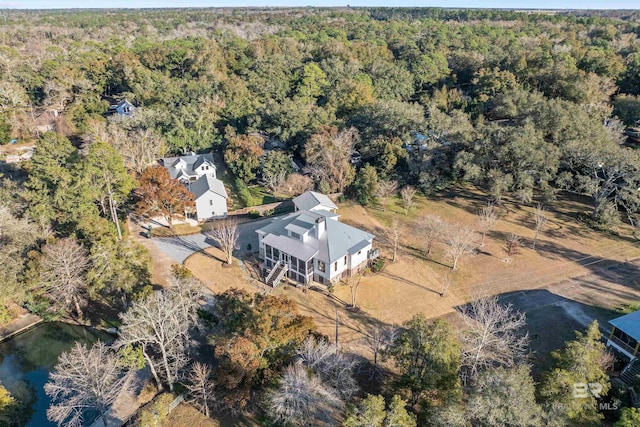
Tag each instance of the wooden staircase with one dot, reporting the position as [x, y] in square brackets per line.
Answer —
[630, 372]
[276, 274]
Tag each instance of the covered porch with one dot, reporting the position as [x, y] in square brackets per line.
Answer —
[284, 257]
[625, 334]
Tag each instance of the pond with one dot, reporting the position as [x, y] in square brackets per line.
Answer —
[25, 362]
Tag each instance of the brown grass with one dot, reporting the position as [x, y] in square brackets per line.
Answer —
[565, 248]
[187, 415]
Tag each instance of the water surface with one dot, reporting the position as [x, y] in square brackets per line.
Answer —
[27, 359]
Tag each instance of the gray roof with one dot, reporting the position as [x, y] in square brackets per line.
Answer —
[342, 238]
[120, 104]
[191, 163]
[207, 183]
[629, 324]
[338, 240]
[291, 246]
[310, 200]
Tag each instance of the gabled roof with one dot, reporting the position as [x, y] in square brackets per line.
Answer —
[629, 324]
[205, 184]
[338, 239]
[311, 200]
[120, 104]
[342, 239]
[186, 163]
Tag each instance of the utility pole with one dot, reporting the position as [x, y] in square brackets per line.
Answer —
[336, 331]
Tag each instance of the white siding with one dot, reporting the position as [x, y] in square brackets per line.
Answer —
[211, 205]
[356, 259]
[202, 170]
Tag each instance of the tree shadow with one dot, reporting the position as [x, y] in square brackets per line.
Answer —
[551, 320]
[408, 282]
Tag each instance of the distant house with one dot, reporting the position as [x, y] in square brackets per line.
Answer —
[122, 108]
[311, 244]
[625, 334]
[190, 168]
[198, 173]
[17, 153]
[277, 145]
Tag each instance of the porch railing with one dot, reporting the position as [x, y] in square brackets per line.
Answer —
[623, 345]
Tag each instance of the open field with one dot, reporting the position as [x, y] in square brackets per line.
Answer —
[566, 249]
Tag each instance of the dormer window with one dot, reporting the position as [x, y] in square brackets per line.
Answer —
[295, 235]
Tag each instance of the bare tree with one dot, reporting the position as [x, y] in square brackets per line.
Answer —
[461, 240]
[159, 324]
[274, 181]
[200, 386]
[408, 193]
[301, 397]
[487, 218]
[394, 234]
[327, 153]
[225, 232]
[333, 367]
[431, 228]
[296, 184]
[541, 220]
[84, 378]
[493, 335]
[188, 292]
[63, 273]
[353, 283]
[386, 190]
[445, 283]
[512, 245]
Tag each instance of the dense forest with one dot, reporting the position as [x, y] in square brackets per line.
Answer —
[519, 104]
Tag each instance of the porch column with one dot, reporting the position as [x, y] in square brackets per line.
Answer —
[635, 350]
[611, 334]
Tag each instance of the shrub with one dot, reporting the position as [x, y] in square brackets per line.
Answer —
[243, 192]
[6, 314]
[378, 265]
[156, 414]
[253, 214]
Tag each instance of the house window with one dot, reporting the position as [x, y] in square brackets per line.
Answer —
[335, 266]
[210, 202]
[276, 254]
[321, 266]
[359, 252]
[345, 260]
[295, 235]
[268, 248]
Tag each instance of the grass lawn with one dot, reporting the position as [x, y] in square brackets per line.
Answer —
[565, 249]
[261, 196]
[176, 230]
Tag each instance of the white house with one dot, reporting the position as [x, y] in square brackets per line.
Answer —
[311, 244]
[198, 173]
[210, 196]
[189, 168]
[122, 108]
